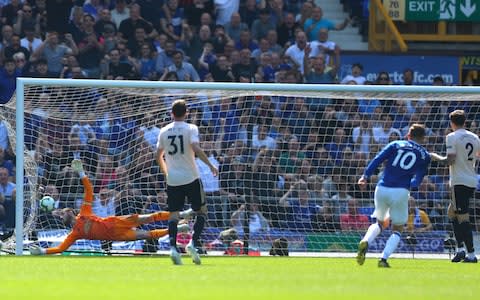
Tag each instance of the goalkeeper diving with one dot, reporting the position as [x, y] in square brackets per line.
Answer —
[87, 225]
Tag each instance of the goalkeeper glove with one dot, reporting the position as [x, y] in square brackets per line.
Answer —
[36, 250]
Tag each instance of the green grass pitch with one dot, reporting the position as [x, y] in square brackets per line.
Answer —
[88, 277]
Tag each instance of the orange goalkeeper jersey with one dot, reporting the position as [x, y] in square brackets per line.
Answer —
[91, 227]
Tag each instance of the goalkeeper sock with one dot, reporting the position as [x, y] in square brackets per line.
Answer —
[391, 245]
[160, 216]
[466, 230]
[158, 233]
[198, 227]
[373, 231]
[172, 232]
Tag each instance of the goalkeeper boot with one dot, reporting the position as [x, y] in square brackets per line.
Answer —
[362, 251]
[175, 256]
[382, 263]
[77, 165]
[186, 214]
[459, 256]
[192, 251]
[183, 228]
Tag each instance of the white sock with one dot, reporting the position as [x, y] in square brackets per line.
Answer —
[461, 249]
[391, 245]
[471, 255]
[82, 174]
[372, 232]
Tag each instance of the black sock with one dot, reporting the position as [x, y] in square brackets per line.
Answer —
[198, 228]
[466, 229]
[172, 232]
[459, 237]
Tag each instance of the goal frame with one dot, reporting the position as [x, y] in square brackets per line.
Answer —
[248, 87]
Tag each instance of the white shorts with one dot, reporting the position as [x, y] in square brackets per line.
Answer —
[393, 202]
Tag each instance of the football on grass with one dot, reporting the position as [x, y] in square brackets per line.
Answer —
[47, 204]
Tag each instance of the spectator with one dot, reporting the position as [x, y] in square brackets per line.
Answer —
[235, 27]
[296, 52]
[244, 71]
[264, 48]
[362, 138]
[151, 10]
[184, 70]
[104, 21]
[196, 44]
[120, 12]
[353, 221]
[206, 59]
[355, 76]
[330, 49]
[165, 58]
[336, 147]
[326, 220]
[418, 220]
[30, 41]
[134, 45]
[196, 10]
[7, 164]
[21, 63]
[301, 210]
[147, 63]
[382, 132]
[7, 33]
[93, 8]
[40, 70]
[315, 69]
[7, 200]
[25, 18]
[246, 42]
[225, 9]
[342, 197]
[9, 12]
[8, 80]
[262, 25]
[257, 224]
[286, 30]
[383, 78]
[117, 69]
[206, 20]
[15, 47]
[408, 77]
[305, 12]
[221, 70]
[272, 38]
[314, 24]
[171, 20]
[75, 26]
[292, 158]
[53, 51]
[90, 48]
[127, 27]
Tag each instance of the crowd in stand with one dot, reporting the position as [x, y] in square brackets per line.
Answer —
[294, 161]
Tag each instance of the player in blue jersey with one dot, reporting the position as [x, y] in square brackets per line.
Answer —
[406, 164]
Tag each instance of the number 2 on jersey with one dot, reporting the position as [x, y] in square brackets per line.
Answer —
[469, 148]
[176, 141]
[402, 157]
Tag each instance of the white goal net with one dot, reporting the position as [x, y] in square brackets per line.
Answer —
[289, 158]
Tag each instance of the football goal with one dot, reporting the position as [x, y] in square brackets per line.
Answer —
[289, 157]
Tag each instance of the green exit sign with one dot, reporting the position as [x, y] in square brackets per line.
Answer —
[434, 10]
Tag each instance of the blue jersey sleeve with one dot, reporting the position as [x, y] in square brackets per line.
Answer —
[421, 172]
[378, 159]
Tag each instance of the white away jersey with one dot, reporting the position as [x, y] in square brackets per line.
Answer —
[176, 139]
[465, 145]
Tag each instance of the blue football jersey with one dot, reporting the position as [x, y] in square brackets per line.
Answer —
[406, 164]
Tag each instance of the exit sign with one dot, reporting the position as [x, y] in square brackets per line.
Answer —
[433, 10]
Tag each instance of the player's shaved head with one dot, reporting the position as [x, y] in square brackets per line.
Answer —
[179, 108]
[458, 117]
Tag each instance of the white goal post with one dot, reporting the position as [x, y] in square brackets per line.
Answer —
[199, 93]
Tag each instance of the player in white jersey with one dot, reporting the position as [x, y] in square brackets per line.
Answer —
[463, 150]
[177, 144]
